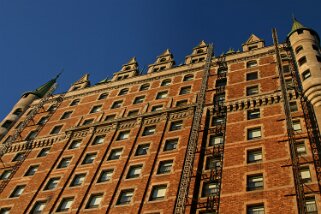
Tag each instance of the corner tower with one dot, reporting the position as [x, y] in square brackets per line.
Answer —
[305, 43]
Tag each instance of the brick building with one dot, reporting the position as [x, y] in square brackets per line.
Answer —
[236, 133]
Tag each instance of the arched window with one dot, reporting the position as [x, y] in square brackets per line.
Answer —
[166, 82]
[298, 49]
[123, 91]
[75, 102]
[188, 77]
[162, 59]
[103, 96]
[199, 51]
[251, 64]
[17, 111]
[144, 87]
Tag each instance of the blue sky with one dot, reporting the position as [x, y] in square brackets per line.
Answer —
[40, 37]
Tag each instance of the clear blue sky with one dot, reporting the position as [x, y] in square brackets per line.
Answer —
[39, 37]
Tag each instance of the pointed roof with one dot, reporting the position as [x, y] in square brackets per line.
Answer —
[230, 51]
[103, 81]
[83, 79]
[253, 39]
[299, 26]
[201, 44]
[43, 89]
[132, 61]
[166, 52]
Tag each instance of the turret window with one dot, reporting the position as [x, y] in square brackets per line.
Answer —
[298, 49]
[7, 124]
[302, 60]
[306, 74]
[17, 112]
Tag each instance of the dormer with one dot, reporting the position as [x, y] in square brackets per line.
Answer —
[199, 54]
[163, 62]
[129, 69]
[83, 82]
[252, 43]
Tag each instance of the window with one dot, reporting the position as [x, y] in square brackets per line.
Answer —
[311, 205]
[18, 157]
[56, 129]
[5, 210]
[38, 207]
[219, 99]
[66, 115]
[253, 114]
[52, 108]
[306, 74]
[255, 209]
[125, 196]
[75, 102]
[213, 163]
[52, 183]
[103, 96]
[305, 174]
[251, 76]
[216, 140]
[221, 83]
[286, 68]
[17, 191]
[44, 152]
[254, 155]
[7, 124]
[171, 144]
[165, 167]
[65, 204]
[110, 117]
[89, 158]
[300, 148]
[149, 130]
[176, 125]
[289, 83]
[115, 154]
[161, 95]
[43, 120]
[318, 58]
[302, 60]
[32, 170]
[117, 104]
[17, 112]
[185, 90]
[139, 99]
[31, 135]
[188, 77]
[64, 162]
[105, 175]
[210, 189]
[134, 171]
[74, 144]
[254, 182]
[251, 64]
[96, 109]
[94, 201]
[166, 82]
[133, 113]
[78, 179]
[87, 122]
[297, 126]
[254, 133]
[217, 121]
[99, 140]
[181, 103]
[158, 192]
[293, 106]
[123, 92]
[315, 47]
[252, 90]
[123, 135]
[142, 149]
[221, 70]
[157, 108]
[144, 87]
[298, 49]
[5, 174]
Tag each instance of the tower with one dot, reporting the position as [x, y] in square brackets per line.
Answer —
[306, 49]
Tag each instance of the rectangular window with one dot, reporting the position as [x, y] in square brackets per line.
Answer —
[305, 174]
[139, 99]
[254, 133]
[253, 90]
[44, 152]
[293, 106]
[5, 210]
[165, 167]
[176, 125]
[300, 148]
[65, 204]
[5, 174]
[78, 179]
[87, 122]
[254, 156]
[56, 129]
[125, 196]
[38, 207]
[185, 90]
[297, 126]
[96, 109]
[318, 58]
[251, 76]
[157, 108]
[19, 157]
[210, 189]
[43, 120]
[99, 140]
[149, 130]
[32, 170]
[133, 113]
[158, 192]
[181, 103]
[75, 144]
[161, 95]
[311, 205]
[306, 74]
[302, 60]
[110, 117]
[105, 175]
[123, 135]
[213, 163]
[134, 171]
[89, 158]
[215, 140]
[66, 115]
[171, 144]
[286, 68]
[255, 209]
[64, 162]
[220, 83]
[32, 135]
[94, 201]
[253, 114]
[17, 191]
[254, 182]
[52, 183]
[217, 121]
[117, 104]
[115, 154]
[142, 149]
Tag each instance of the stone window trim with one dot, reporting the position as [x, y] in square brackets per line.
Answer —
[56, 129]
[149, 130]
[63, 161]
[65, 203]
[253, 75]
[117, 104]
[66, 115]
[52, 183]
[252, 90]
[254, 183]
[253, 150]
[77, 175]
[185, 90]
[74, 102]
[176, 125]
[141, 149]
[253, 207]
[166, 82]
[161, 95]
[133, 113]
[153, 187]
[91, 203]
[112, 151]
[17, 191]
[123, 135]
[251, 64]
[181, 103]
[96, 109]
[253, 114]
[248, 129]
[202, 186]
[104, 172]
[139, 166]
[158, 107]
[88, 121]
[139, 99]
[74, 144]
[89, 158]
[119, 201]
[161, 164]
[103, 96]
[188, 77]
[302, 61]
[38, 206]
[98, 139]
[144, 87]
[110, 117]
[171, 140]
[31, 170]
[123, 91]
